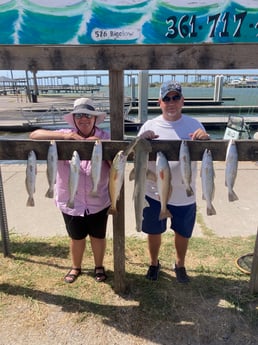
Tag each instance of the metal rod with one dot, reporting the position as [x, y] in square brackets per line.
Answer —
[3, 220]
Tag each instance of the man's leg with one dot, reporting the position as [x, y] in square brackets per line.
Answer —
[181, 245]
[154, 243]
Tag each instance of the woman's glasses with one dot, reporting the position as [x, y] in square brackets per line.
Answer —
[174, 98]
[79, 116]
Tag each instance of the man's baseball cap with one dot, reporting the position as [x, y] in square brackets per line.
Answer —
[168, 86]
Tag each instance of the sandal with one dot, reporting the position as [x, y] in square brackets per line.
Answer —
[100, 276]
[71, 277]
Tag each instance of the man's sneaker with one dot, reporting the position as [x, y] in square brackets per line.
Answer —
[181, 275]
[153, 272]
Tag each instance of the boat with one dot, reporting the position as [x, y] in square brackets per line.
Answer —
[52, 118]
[244, 82]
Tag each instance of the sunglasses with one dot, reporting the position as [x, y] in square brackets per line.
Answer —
[80, 116]
[175, 98]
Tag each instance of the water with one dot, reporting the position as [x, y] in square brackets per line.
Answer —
[243, 97]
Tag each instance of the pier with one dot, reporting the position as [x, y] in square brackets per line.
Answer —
[91, 82]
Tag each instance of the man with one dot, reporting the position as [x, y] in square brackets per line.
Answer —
[171, 125]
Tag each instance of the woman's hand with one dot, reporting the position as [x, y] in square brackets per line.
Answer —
[72, 136]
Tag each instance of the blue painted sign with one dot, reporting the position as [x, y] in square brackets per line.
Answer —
[128, 21]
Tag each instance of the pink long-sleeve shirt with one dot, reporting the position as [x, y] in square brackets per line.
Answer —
[83, 202]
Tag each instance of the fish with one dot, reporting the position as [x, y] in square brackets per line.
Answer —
[231, 169]
[52, 159]
[96, 164]
[185, 167]
[116, 179]
[164, 186]
[139, 174]
[30, 180]
[73, 178]
[207, 179]
[116, 175]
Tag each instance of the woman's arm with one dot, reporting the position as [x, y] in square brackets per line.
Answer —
[44, 134]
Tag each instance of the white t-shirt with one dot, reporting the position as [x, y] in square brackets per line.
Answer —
[173, 130]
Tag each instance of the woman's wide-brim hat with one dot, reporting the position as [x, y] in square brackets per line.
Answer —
[84, 106]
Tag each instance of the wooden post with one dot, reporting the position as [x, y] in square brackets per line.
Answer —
[116, 92]
[254, 271]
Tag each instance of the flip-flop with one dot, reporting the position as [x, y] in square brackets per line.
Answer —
[100, 276]
[70, 277]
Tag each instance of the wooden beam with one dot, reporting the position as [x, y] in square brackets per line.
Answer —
[19, 149]
[254, 271]
[128, 57]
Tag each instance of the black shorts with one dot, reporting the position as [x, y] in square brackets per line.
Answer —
[94, 225]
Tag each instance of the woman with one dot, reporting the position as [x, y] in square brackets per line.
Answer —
[89, 215]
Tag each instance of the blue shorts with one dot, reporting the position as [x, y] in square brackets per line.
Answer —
[182, 221]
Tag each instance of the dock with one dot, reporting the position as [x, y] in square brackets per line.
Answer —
[48, 112]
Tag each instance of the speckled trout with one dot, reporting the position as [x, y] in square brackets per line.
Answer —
[96, 164]
[73, 178]
[231, 169]
[52, 159]
[116, 179]
[185, 167]
[116, 175]
[164, 186]
[207, 178]
[30, 181]
[139, 174]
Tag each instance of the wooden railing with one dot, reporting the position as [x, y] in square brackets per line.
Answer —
[19, 149]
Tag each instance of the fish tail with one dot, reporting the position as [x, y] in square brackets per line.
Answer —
[189, 191]
[211, 210]
[49, 193]
[30, 201]
[165, 214]
[70, 204]
[232, 196]
[94, 193]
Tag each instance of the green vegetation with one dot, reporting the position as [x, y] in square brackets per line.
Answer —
[216, 304]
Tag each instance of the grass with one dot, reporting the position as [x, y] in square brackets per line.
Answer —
[214, 308]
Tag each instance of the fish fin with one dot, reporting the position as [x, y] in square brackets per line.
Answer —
[165, 214]
[170, 191]
[211, 211]
[131, 146]
[146, 204]
[232, 196]
[30, 201]
[151, 175]
[189, 191]
[132, 175]
[49, 193]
